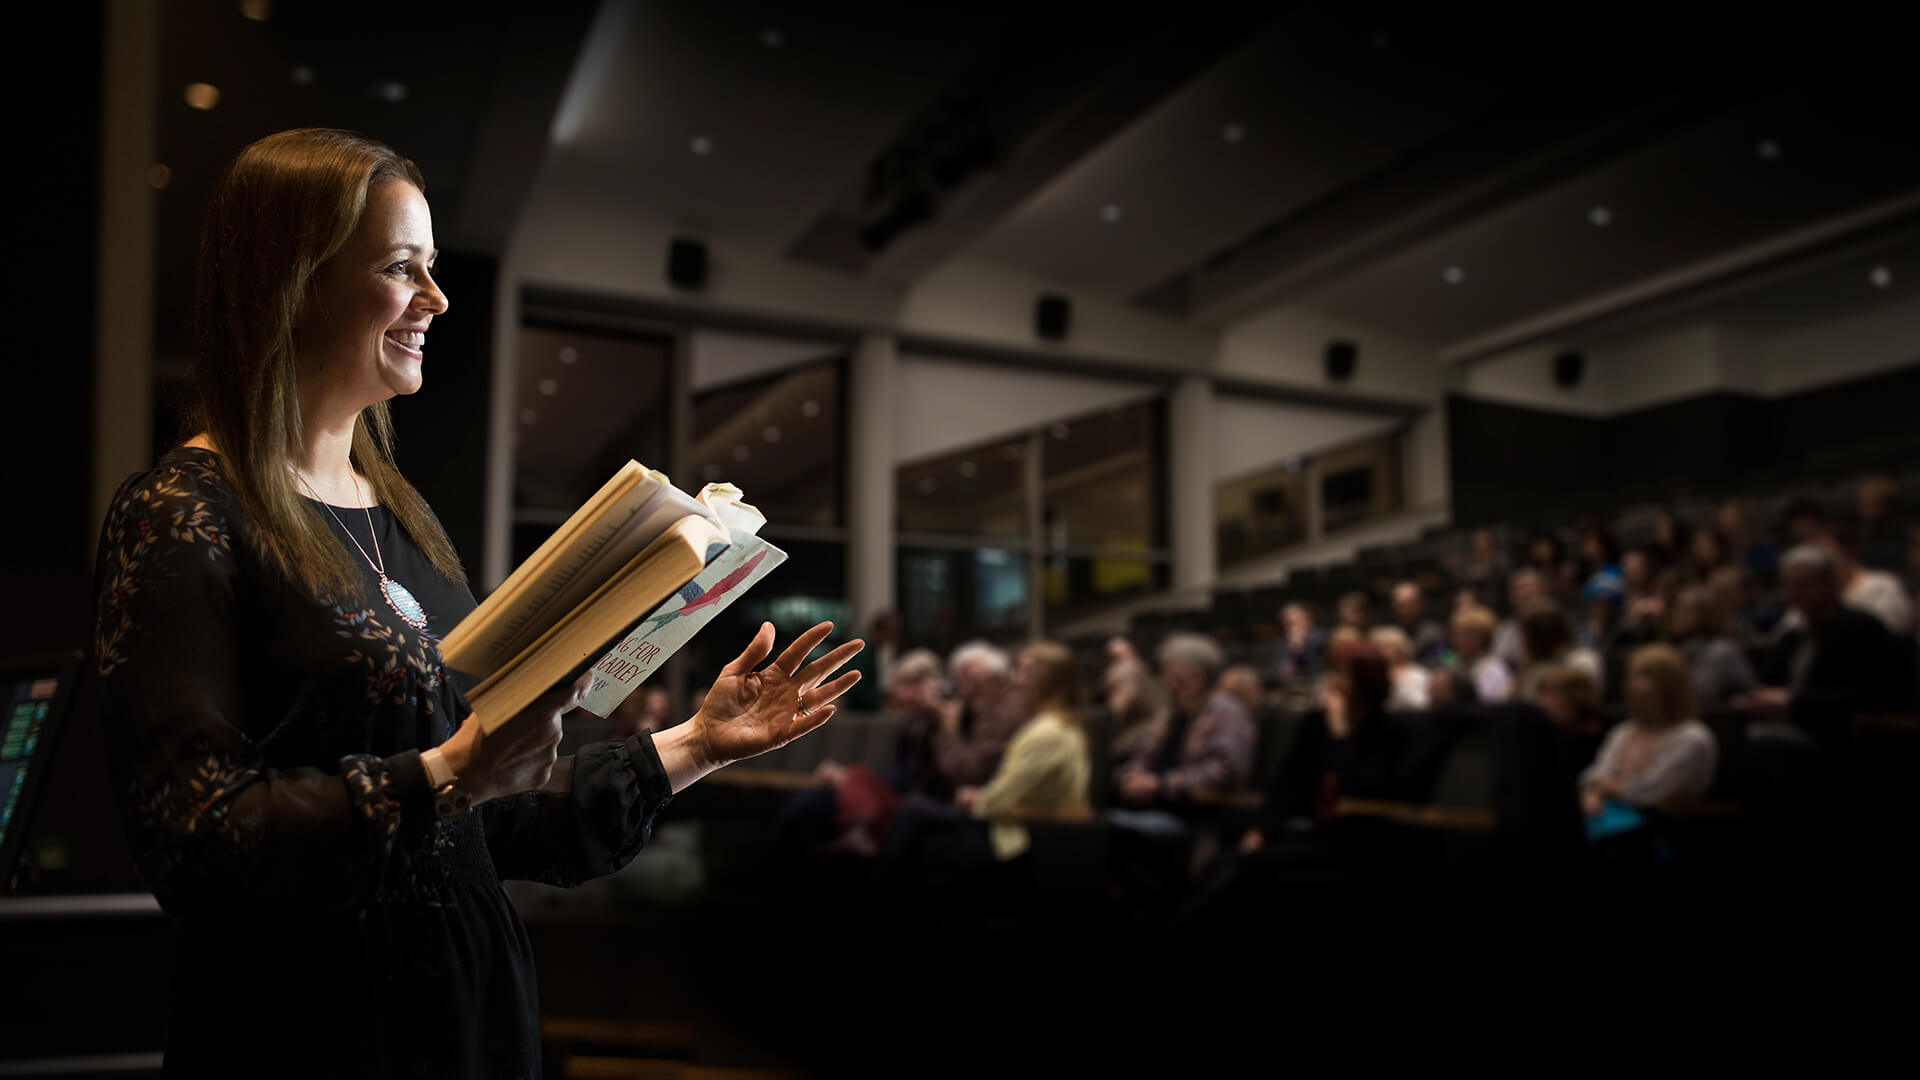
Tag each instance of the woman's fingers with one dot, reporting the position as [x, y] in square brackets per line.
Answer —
[790, 660]
[756, 651]
[831, 691]
[807, 721]
[828, 664]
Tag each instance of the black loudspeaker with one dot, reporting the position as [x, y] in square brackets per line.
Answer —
[1567, 368]
[1342, 358]
[687, 263]
[1051, 316]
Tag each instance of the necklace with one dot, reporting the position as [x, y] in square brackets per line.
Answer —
[398, 598]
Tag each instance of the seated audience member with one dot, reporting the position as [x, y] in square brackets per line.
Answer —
[1355, 612]
[975, 725]
[1559, 575]
[1201, 743]
[1547, 639]
[1443, 688]
[1670, 539]
[1303, 646]
[1487, 565]
[1408, 679]
[1599, 559]
[1601, 622]
[1645, 618]
[1344, 750]
[1751, 618]
[1244, 684]
[1120, 650]
[1485, 674]
[1132, 699]
[1708, 551]
[1662, 757]
[1704, 635]
[1570, 699]
[1526, 588]
[912, 700]
[1875, 592]
[1838, 660]
[1748, 548]
[646, 709]
[1804, 520]
[1426, 640]
[1882, 537]
[1046, 767]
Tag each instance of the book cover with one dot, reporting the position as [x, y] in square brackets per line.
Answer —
[731, 570]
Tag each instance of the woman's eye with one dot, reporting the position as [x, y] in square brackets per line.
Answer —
[397, 268]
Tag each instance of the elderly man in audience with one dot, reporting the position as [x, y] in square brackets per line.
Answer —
[1201, 743]
[976, 723]
[1409, 679]
[1526, 589]
[1489, 678]
[1303, 646]
[1704, 634]
[1837, 660]
[1426, 639]
[1663, 756]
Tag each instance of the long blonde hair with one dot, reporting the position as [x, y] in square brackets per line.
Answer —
[1055, 685]
[281, 209]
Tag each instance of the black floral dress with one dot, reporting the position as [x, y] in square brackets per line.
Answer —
[265, 745]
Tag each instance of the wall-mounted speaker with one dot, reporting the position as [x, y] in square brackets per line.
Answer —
[1052, 316]
[1568, 367]
[1342, 358]
[687, 263]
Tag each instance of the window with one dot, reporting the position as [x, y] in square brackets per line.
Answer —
[976, 492]
[1261, 513]
[779, 439]
[1360, 482]
[1273, 509]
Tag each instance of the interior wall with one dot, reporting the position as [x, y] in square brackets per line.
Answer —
[1287, 347]
[944, 404]
[1250, 434]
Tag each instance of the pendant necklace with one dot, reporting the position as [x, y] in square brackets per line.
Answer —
[398, 598]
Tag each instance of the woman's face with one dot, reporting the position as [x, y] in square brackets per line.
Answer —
[1643, 698]
[1635, 569]
[1706, 550]
[1026, 673]
[362, 330]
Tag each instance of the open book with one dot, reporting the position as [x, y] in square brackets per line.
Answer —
[628, 579]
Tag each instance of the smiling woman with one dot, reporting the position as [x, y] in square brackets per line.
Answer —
[303, 784]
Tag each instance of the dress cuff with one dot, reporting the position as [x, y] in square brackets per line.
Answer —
[655, 787]
[408, 787]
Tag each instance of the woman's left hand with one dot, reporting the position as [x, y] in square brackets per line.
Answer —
[750, 712]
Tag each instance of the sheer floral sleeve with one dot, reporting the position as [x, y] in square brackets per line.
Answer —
[596, 828]
[219, 823]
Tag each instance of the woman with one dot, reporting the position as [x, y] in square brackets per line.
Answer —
[1599, 558]
[1546, 638]
[1484, 672]
[1132, 699]
[1410, 681]
[1715, 659]
[1708, 551]
[304, 786]
[1663, 756]
[1344, 751]
[1046, 768]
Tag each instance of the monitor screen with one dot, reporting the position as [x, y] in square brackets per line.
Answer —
[36, 692]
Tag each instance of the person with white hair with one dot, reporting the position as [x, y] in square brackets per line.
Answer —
[1409, 693]
[1201, 742]
[976, 723]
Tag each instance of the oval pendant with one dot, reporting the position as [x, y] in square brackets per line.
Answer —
[403, 603]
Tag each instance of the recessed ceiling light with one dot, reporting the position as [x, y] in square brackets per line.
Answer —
[303, 75]
[741, 453]
[1600, 216]
[809, 408]
[528, 416]
[1453, 275]
[771, 433]
[702, 145]
[772, 38]
[1233, 133]
[392, 91]
[569, 354]
[549, 387]
[1768, 150]
[968, 469]
[257, 10]
[1881, 277]
[158, 176]
[202, 95]
[1110, 213]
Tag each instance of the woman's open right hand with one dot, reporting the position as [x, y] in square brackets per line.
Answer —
[519, 755]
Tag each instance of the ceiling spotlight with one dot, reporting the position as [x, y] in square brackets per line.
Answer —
[1600, 216]
[392, 91]
[1881, 277]
[303, 75]
[1233, 133]
[1110, 213]
[549, 387]
[1768, 150]
[771, 434]
[809, 408]
[702, 145]
[968, 469]
[528, 416]
[257, 10]
[772, 38]
[569, 354]
[202, 95]
[158, 176]
[1453, 275]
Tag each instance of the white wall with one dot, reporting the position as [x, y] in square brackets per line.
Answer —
[943, 405]
[719, 358]
[1250, 434]
[1287, 347]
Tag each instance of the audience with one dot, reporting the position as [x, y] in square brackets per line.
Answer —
[1408, 679]
[1804, 520]
[1202, 741]
[1704, 635]
[1527, 588]
[1547, 639]
[974, 726]
[1355, 612]
[1662, 757]
[1426, 639]
[1344, 750]
[1243, 683]
[1708, 552]
[646, 709]
[1601, 624]
[1875, 592]
[1559, 575]
[1570, 698]
[1132, 699]
[1303, 646]
[1046, 768]
[1486, 674]
[1669, 545]
[1749, 550]
[1883, 529]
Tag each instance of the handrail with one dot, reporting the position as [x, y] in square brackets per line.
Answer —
[1461, 818]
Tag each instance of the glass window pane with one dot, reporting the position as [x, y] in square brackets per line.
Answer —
[973, 492]
[586, 403]
[1076, 586]
[1261, 513]
[1360, 482]
[777, 438]
[1102, 480]
[950, 595]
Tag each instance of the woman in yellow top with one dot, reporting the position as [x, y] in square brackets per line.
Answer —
[1046, 768]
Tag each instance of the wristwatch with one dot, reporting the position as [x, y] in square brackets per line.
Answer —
[451, 801]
